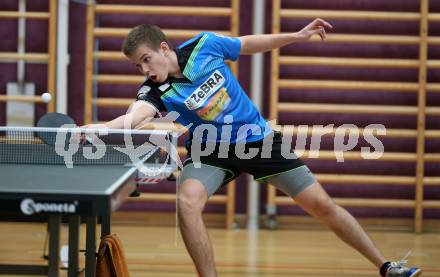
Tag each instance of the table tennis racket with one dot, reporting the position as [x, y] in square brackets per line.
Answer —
[54, 120]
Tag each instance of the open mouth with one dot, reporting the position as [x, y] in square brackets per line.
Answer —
[153, 78]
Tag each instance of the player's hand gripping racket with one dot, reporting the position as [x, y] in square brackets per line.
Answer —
[56, 120]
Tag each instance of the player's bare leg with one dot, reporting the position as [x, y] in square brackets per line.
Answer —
[191, 201]
[318, 203]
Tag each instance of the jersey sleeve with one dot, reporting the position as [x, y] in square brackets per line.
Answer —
[227, 47]
[152, 96]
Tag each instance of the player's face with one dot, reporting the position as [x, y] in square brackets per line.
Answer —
[151, 63]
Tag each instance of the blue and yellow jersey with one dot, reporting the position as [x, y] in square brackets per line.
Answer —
[209, 99]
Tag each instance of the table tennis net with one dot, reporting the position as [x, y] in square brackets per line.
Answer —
[25, 146]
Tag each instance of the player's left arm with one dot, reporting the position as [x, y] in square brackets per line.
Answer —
[252, 44]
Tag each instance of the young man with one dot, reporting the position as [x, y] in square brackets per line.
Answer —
[194, 81]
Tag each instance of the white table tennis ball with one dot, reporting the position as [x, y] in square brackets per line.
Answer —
[46, 97]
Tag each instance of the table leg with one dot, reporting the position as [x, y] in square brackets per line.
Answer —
[106, 225]
[54, 224]
[74, 222]
[90, 246]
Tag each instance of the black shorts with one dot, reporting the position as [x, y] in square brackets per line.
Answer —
[267, 162]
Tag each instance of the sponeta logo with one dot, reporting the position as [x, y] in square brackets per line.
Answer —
[202, 93]
[29, 206]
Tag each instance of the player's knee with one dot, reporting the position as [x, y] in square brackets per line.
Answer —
[324, 207]
[192, 197]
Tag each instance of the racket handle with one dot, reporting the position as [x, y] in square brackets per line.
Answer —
[86, 140]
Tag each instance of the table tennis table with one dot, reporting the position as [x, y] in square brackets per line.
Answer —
[32, 187]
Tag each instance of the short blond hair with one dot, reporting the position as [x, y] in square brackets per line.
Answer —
[148, 34]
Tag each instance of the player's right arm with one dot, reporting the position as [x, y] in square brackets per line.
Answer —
[139, 114]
